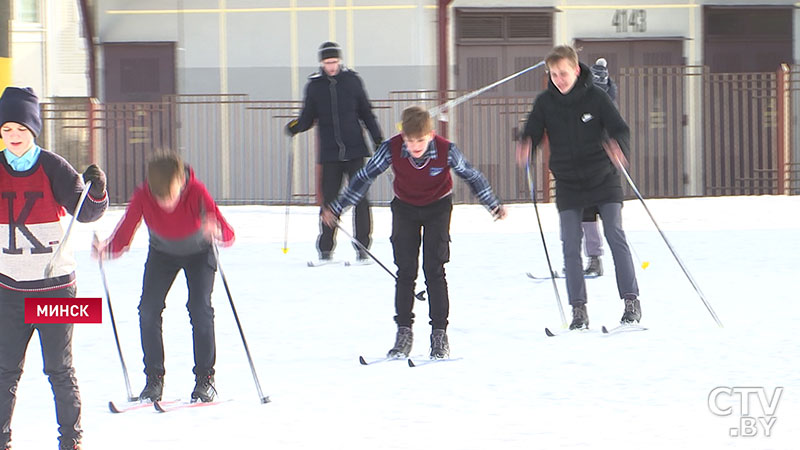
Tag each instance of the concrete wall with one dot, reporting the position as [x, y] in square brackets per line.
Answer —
[268, 51]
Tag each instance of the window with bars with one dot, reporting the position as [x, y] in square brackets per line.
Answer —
[503, 26]
[748, 23]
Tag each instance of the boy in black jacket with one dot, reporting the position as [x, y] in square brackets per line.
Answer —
[575, 113]
[336, 100]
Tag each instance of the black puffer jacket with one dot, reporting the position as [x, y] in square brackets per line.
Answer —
[574, 124]
[338, 104]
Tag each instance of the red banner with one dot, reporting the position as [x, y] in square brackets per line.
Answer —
[63, 310]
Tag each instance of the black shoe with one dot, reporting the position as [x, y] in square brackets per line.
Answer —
[362, 256]
[402, 343]
[594, 268]
[580, 318]
[440, 347]
[633, 310]
[153, 388]
[325, 256]
[69, 444]
[204, 389]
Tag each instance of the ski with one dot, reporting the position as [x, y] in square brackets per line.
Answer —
[550, 333]
[536, 277]
[359, 262]
[163, 407]
[132, 406]
[603, 329]
[425, 362]
[334, 262]
[324, 262]
[368, 362]
[555, 275]
[623, 328]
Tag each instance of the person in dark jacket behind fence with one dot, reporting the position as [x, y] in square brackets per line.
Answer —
[336, 100]
[576, 116]
[601, 79]
[593, 242]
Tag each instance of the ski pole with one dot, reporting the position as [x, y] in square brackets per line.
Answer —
[544, 243]
[419, 295]
[262, 398]
[288, 202]
[666, 241]
[436, 110]
[51, 265]
[131, 398]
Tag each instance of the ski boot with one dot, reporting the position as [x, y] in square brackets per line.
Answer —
[633, 310]
[594, 268]
[153, 388]
[69, 444]
[204, 390]
[402, 343]
[580, 318]
[440, 347]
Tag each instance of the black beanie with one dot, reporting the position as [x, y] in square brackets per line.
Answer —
[329, 50]
[21, 105]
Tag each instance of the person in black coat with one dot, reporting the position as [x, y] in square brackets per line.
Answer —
[335, 99]
[575, 114]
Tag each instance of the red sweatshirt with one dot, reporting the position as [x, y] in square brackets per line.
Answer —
[177, 232]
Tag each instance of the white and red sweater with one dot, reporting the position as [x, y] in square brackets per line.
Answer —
[32, 203]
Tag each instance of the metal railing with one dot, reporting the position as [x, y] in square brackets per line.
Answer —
[718, 131]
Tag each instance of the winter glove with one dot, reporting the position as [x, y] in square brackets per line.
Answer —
[98, 179]
[328, 217]
[290, 128]
[499, 213]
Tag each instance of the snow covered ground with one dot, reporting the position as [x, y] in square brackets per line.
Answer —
[513, 388]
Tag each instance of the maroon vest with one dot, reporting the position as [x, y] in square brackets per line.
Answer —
[421, 186]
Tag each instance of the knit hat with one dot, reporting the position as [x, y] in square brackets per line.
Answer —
[21, 105]
[329, 50]
[599, 72]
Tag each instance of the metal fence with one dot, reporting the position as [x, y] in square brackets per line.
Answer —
[793, 113]
[239, 149]
[651, 99]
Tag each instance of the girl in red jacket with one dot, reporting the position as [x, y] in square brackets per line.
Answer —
[183, 221]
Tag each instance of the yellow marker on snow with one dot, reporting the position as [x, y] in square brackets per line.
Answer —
[645, 264]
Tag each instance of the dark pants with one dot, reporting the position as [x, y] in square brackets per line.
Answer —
[56, 342]
[407, 221]
[615, 236]
[160, 271]
[332, 175]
